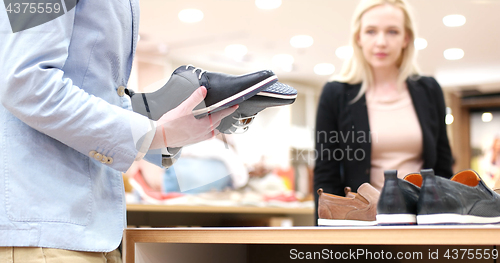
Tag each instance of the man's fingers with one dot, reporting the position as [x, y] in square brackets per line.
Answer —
[216, 117]
[195, 98]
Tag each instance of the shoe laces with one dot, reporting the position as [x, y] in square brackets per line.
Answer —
[242, 124]
[195, 69]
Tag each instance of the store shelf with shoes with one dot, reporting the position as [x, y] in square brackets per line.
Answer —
[417, 199]
[428, 199]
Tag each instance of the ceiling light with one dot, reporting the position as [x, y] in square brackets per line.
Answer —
[301, 41]
[487, 117]
[324, 69]
[420, 43]
[190, 15]
[268, 4]
[344, 52]
[283, 62]
[483, 2]
[449, 119]
[236, 51]
[453, 54]
[454, 20]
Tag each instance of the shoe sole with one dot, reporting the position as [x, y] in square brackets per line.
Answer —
[440, 219]
[278, 90]
[237, 98]
[396, 219]
[338, 222]
[278, 96]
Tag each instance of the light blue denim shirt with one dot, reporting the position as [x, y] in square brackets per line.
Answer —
[61, 100]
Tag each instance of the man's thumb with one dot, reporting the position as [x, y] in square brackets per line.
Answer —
[196, 98]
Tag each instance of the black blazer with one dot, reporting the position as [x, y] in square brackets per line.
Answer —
[343, 148]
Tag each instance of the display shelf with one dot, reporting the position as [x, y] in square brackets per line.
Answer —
[218, 209]
[184, 215]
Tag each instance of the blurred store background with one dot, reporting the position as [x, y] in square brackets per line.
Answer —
[304, 43]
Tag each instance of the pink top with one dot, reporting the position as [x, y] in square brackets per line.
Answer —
[396, 137]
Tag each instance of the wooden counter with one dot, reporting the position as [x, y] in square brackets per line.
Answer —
[190, 244]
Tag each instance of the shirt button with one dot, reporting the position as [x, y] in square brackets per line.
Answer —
[92, 153]
[98, 156]
[110, 160]
[104, 159]
[121, 91]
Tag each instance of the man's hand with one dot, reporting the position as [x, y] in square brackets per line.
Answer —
[179, 127]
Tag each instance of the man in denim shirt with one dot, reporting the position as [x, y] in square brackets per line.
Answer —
[67, 131]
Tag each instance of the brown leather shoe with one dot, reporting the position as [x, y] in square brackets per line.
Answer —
[357, 209]
[348, 192]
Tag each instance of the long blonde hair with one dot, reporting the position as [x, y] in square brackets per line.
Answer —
[357, 70]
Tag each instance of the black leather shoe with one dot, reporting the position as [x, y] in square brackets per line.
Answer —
[398, 199]
[463, 199]
[278, 94]
[223, 91]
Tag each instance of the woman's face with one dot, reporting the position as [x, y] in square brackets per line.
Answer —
[382, 36]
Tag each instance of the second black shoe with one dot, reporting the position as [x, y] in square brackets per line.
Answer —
[398, 199]
[463, 199]
[223, 91]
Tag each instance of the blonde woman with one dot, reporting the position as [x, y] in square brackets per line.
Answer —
[378, 114]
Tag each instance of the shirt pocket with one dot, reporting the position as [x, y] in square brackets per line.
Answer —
[45, 180]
